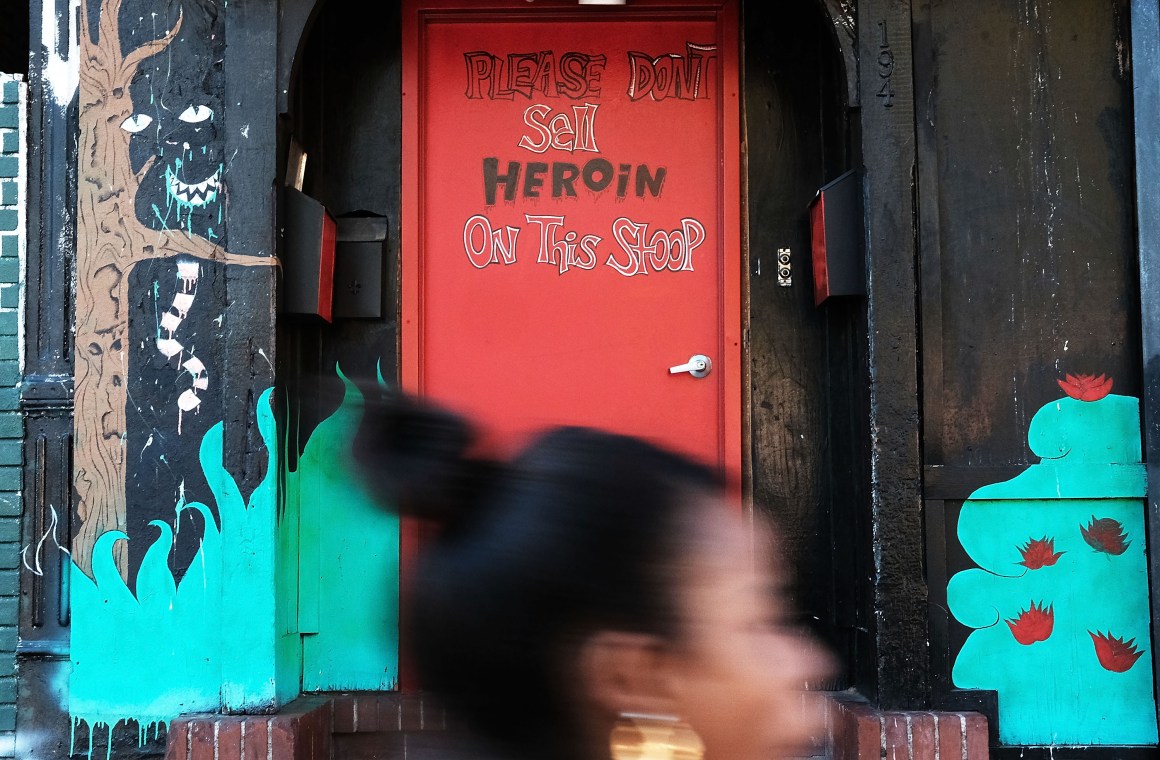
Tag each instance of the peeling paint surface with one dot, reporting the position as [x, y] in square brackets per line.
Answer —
[62, 67]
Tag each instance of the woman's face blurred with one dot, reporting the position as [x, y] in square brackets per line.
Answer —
[740, 668]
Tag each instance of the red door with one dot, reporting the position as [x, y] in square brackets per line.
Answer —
[571, 217]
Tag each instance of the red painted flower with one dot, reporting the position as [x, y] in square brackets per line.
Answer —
[1086, 387]
[1105, 535]
[1115, 654]
[1033, 624]
[1039, 552]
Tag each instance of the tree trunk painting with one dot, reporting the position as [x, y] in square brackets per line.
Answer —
[111, 240]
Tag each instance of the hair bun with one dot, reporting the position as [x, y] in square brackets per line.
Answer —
[415, 458]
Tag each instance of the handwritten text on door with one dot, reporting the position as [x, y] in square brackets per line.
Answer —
[641, 246]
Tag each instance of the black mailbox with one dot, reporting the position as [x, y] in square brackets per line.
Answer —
[358, 266]
[836, 231]
[308, 256]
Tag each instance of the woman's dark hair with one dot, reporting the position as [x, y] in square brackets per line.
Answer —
[579, 532]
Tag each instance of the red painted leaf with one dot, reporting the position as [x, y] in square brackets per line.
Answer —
[1115, 654]
[1033, 624]
[1039, 552]
[1106, 535]
[1086, 387]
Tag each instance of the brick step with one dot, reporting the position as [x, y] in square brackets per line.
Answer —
[390, 726]
[857, 731]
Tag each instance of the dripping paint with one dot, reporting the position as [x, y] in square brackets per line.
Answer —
[201, 642]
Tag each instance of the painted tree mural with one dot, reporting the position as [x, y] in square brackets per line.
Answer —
[111, 241]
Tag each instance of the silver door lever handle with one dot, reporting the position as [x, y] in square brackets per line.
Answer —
[697, 366]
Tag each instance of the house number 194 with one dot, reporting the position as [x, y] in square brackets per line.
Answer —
[885, 68]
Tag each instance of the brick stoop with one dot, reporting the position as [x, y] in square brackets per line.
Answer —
[391, 726]
[351, 726]
[859, 731]
[302, 730]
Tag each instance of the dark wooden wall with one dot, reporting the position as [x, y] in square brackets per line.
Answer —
[1146, 113]
[1027, 255]
[345, 111]
[886, 124]
[46, 396]
[807, 363]
[1032, 271]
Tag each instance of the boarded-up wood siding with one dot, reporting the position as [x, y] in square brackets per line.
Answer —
[1027, 251]
[1027, 256]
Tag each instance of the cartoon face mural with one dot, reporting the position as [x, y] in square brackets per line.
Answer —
[176, 125]
[151, 284]
[1058, 605]
[175, 329]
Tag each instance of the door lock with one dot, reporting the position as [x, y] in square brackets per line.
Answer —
[697, 366]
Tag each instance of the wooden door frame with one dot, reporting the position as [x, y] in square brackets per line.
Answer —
[1145, 33]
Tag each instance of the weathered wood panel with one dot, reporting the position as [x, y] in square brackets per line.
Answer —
[804, 361]
[345, 112]
[888, 154]
[1029, 162]
[1146, 107]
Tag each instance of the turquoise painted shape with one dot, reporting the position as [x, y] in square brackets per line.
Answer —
[1055, 691]
[202, 644]
[228, 635]
[349, 587]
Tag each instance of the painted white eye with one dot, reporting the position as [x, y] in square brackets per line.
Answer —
[136, 122]
[196, 114]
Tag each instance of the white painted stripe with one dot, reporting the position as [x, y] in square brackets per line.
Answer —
[62, 70]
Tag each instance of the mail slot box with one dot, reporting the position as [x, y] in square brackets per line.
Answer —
[358, 266]
[307, 256]
[836, 238]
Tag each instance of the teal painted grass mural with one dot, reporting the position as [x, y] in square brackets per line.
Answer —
[349, 593]
[200, 644]
[207, 643]
[1059, 602]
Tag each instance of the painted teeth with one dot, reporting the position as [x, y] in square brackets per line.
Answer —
[195, 195]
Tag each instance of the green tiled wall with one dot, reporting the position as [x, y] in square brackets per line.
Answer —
[12, 152]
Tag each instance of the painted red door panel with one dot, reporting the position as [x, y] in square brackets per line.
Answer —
[571, 225]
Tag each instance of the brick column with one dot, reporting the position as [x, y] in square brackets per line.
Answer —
[12, 147]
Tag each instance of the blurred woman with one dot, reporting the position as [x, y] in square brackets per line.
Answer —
[596, 597]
